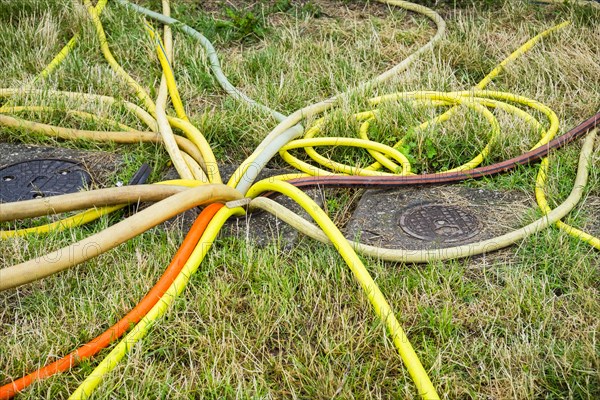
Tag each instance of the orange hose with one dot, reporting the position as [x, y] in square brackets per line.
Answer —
[114, 332]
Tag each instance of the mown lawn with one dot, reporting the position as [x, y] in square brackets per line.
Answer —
[274, 322]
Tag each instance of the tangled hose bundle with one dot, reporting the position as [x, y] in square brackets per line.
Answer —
[201, 184]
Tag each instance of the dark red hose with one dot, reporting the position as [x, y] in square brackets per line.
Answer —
[449, 177]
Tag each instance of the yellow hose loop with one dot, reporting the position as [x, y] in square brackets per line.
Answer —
[431, 98]
[141, 328]
[363, 133]
[139, 91]
[346, 169]
[494, 73]
[365, 116]
[390, 165]
[183, 123]
[370, 288]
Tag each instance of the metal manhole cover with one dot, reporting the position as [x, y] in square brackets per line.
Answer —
[41, 178]
[439, 223]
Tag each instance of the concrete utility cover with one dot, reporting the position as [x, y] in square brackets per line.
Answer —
[37, 178]
[439, 223]
[591, 211]
[434, 217]
[100, 165]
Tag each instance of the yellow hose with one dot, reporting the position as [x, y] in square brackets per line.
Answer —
[66, 223]
[377, 299]
[164, 53]
[109, 362]
[161, 115]
[404, 169]
[434, 98]
[140, 93]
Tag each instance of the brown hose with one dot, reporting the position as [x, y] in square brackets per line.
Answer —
[448, 177]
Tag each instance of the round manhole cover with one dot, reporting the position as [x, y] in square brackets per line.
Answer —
[439, 223]
[41, 178]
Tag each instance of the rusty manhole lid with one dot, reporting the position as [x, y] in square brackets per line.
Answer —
[41, 178]
[439, 223]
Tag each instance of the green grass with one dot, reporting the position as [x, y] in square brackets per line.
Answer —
[267, 322]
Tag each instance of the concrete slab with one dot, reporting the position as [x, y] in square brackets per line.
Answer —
[591, 208]
[260, 228]
[263, 228]
[435, 217]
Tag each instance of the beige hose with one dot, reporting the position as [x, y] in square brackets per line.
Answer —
[161, 115]
[111, 237]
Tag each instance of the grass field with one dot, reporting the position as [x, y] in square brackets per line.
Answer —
[267, 322]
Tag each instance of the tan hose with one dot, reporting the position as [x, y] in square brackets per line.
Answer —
[87, 199]
[100, 136]
[139, 112]
[111, 237]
